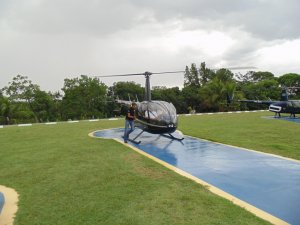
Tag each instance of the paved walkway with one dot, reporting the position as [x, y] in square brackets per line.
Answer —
[1, 201]
[265, 181]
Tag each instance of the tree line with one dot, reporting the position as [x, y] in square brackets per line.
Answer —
[204, 90]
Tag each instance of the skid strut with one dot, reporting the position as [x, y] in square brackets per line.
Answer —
[134, 139]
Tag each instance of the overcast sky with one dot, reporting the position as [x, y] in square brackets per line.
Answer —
[49, 40]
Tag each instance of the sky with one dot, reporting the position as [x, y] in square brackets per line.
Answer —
[50, 40]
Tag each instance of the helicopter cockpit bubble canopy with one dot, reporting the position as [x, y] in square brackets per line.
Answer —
[162, 112]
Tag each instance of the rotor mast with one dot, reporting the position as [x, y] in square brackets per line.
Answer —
[147, 86]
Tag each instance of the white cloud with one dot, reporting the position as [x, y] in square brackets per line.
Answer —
[281, 56]
[52, 40]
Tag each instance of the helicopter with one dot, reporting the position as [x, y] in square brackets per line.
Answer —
[152, 116]
[283, 106]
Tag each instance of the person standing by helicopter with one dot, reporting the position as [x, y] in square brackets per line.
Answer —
[129, 121]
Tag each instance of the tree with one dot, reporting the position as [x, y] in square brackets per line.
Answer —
[43, 104]
[173, 95]
[205, 74]
[126, 90]
[84, 98]
[224, 75]
[191, 97]
[190, 92]
[5, 110]
[291, 80]
[187, 77]
[191, 76]
[262, 90]
[261, 76]
[215, 95]
[56, 109]
[252, 76]
[21, 90]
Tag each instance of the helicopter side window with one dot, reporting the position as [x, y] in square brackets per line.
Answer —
[289, 104]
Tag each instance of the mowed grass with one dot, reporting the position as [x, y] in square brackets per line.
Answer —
[248, 130]
[63, 176]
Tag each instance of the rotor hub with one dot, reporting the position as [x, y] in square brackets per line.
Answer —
[147, 74]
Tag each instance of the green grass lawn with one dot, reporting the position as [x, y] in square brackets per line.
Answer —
[63, 176]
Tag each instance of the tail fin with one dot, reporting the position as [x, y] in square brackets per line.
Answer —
[284, 95]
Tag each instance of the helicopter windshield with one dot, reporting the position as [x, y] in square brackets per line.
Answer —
[159, 111]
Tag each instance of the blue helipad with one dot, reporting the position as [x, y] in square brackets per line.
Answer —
[265, 181]
[1, 201]
[286, 118]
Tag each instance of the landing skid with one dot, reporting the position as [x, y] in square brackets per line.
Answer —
[134, 139]
[172, 137]
[135, 142]
[278, 115]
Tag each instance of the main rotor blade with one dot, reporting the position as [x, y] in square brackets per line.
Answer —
[238, 68]
[138, 74]
[169, 72]
[122, 75]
